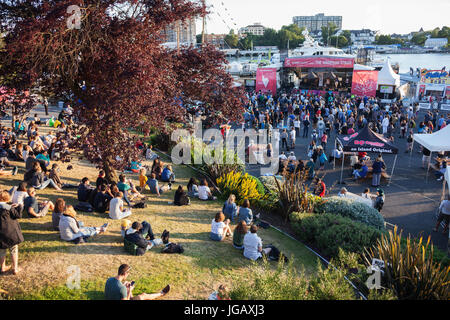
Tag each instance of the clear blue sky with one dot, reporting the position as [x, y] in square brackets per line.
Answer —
[388, 16]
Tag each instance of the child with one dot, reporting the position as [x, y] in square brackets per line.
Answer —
[143, 179]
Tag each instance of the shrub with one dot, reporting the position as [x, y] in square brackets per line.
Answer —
[294, 196]
[329, 232]
[269, 182]
[241, 185]
[285, 283]
[354, 210]
[408, 271]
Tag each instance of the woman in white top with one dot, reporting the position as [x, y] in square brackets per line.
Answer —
[19, 194]
[204, 193]
[219, 228]
[116, 211]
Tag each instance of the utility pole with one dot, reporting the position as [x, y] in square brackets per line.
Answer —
[203, 23]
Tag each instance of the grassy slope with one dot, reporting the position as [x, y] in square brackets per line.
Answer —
[205, 264]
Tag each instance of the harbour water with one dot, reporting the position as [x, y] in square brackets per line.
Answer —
[431, 61]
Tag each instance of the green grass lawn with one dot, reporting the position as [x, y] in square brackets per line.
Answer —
[45, 258]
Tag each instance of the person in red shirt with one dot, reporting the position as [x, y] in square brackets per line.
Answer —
[321, 188]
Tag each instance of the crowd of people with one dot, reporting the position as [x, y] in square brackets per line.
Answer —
[290, 113]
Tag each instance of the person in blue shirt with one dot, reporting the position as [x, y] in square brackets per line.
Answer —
[44, 158]
[245, 213]
[361, 173]
[230, 209]
[167, 175]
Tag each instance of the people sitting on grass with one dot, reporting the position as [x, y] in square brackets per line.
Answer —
[444, 215]
[204, 192]
[238, 235]
[149, 154]
[143, 179]
[138, 234]
[135, 166]
[167, 175]
[128, 189]
[192, 188]
[253, 249]
[245, 213]
[157, 168]
[117, 288]
[33, 208]
[60, 208]
[72, 230]
[40, 181]
[19, 194]
[84, 190]
[361, 174]
[116, 210]
[10, 233]
[230, 209]
[101, 179]
[44, 158]
[154, 186]
[181, 198]
[102, 199]
[220, 228]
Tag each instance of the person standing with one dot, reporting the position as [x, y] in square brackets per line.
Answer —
[379, 201]
[377, 169]
[444, 215]
[284, 139]
[10, 233]
[306, 124]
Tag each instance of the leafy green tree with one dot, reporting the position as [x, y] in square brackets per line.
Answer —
[232, 39]
[419, 39]
[328, 31]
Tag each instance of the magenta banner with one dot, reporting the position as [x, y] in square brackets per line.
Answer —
[364, 83]
[329, 62]
[266, 79]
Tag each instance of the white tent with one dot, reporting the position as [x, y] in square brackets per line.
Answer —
[387, 76]
[436, 142]
[362, 67]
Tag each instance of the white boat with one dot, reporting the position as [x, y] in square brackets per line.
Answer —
[311, 47]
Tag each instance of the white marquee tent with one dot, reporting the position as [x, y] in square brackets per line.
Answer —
[387, 76]
[435, 142]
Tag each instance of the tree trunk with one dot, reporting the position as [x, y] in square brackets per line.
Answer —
[110, 172]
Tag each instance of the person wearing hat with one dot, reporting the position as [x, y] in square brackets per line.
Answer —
[117, 288]
[379, 201]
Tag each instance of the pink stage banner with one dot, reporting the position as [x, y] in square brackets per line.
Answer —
[330, 62]
[266, 79]
[364, 83]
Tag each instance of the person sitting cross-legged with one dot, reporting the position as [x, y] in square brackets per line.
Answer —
[238, 235]
[117, 288]
[167, 175]
[137, 235]
[116, 211]
[102, 199]
[154, 186]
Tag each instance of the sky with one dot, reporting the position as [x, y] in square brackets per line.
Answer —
[386, 16]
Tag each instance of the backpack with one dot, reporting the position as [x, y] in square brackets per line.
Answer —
[84, 207]
[172, 248]
[275, 254]
[140, 205]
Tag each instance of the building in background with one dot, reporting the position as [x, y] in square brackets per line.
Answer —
[187, 30]
[217, 40]
[363, 37]
[256, 29]
[315, 23]
[436, 42]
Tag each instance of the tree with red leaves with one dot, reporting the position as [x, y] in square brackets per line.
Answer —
[115, 70]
